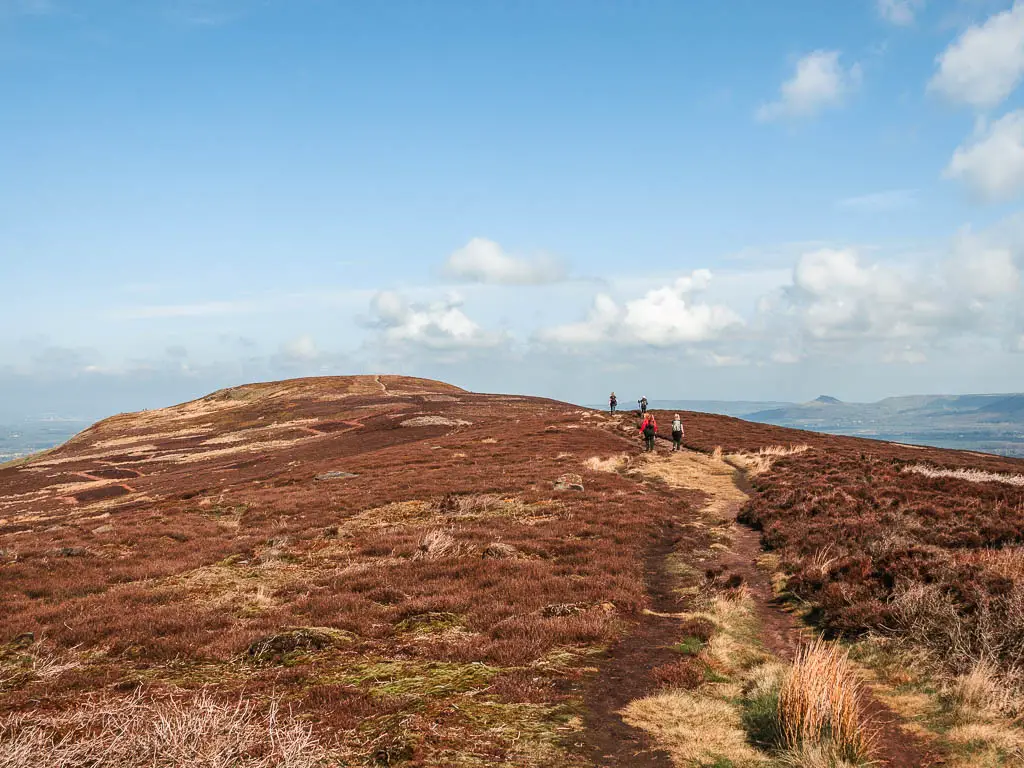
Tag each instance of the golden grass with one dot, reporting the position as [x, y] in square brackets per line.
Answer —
[611, 464]
[820, 703]
[760, 462]
[970, 475]
[694, 729]
[696, 471]
[132, 732]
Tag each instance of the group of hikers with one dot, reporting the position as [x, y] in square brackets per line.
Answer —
[649, 426]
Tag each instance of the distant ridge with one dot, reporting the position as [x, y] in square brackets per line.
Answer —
[988, 423]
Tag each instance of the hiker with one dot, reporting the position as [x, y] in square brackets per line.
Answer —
[677, 433]
[612, 402]
[649, 430]
[643, 405]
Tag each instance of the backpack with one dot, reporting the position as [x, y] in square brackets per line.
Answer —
[649, 430]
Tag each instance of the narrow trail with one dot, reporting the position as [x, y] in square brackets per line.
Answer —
[782, 634]
[624, 675]
[610, 742]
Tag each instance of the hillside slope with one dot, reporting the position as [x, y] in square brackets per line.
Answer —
[396, 571]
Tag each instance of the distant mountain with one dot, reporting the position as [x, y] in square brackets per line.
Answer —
[989, 423]
[827, 400]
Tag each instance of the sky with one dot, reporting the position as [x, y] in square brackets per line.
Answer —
[700, 200]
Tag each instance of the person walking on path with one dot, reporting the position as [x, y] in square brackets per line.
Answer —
[677, 433]
[643, 405]
[649, 430]
[613, 401]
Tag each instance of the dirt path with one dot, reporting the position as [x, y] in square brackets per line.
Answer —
[624, 677]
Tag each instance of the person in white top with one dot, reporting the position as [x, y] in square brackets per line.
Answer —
[677, 433]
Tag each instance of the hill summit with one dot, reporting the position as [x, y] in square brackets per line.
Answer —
[827, 400]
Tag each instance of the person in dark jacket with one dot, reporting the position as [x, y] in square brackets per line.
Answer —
[643, 405]
[677, 433]
[613, 401]
[649, 430]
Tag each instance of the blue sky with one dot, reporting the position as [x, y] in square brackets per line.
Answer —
[685, 200]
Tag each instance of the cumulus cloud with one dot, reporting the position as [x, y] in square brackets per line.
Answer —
[439, 325]
[820, 81]
[839, 300]
[984, 270]
[991, 163]
[662, 317]
[984, 65]
[900, 12]
[484, 261]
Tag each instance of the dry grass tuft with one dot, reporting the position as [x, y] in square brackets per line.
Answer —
[760, 462]
[970, 475]
[980, 694]
[815, 756]
[820, 704]
[141, 733]
[437, 544]
[611, 464]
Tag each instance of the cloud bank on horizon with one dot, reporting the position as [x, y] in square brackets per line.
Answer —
[566, 202]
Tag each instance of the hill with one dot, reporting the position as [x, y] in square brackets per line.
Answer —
[387, 571]
[990, 423]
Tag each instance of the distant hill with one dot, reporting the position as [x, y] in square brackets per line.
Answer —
[826, 399]
[989, 423]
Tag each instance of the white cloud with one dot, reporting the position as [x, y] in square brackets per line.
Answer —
[836, 297]
[983, 269]
[992, 163]
[484, 261]
[662, 317]
[984, 65]
[819, 82]
[889, 200]
[302, 348]
[839, 300]
[440, 325]
[900, 12]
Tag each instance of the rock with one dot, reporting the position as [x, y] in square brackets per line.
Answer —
[104, 529]
[434, 421]
[275, 646]
[569, 482]
[562, 609]
[70, 552]
[499, 551]
[335, 475]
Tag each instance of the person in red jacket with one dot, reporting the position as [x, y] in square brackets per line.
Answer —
[649, 430]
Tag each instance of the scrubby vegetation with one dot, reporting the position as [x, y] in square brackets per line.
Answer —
[300, 560]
